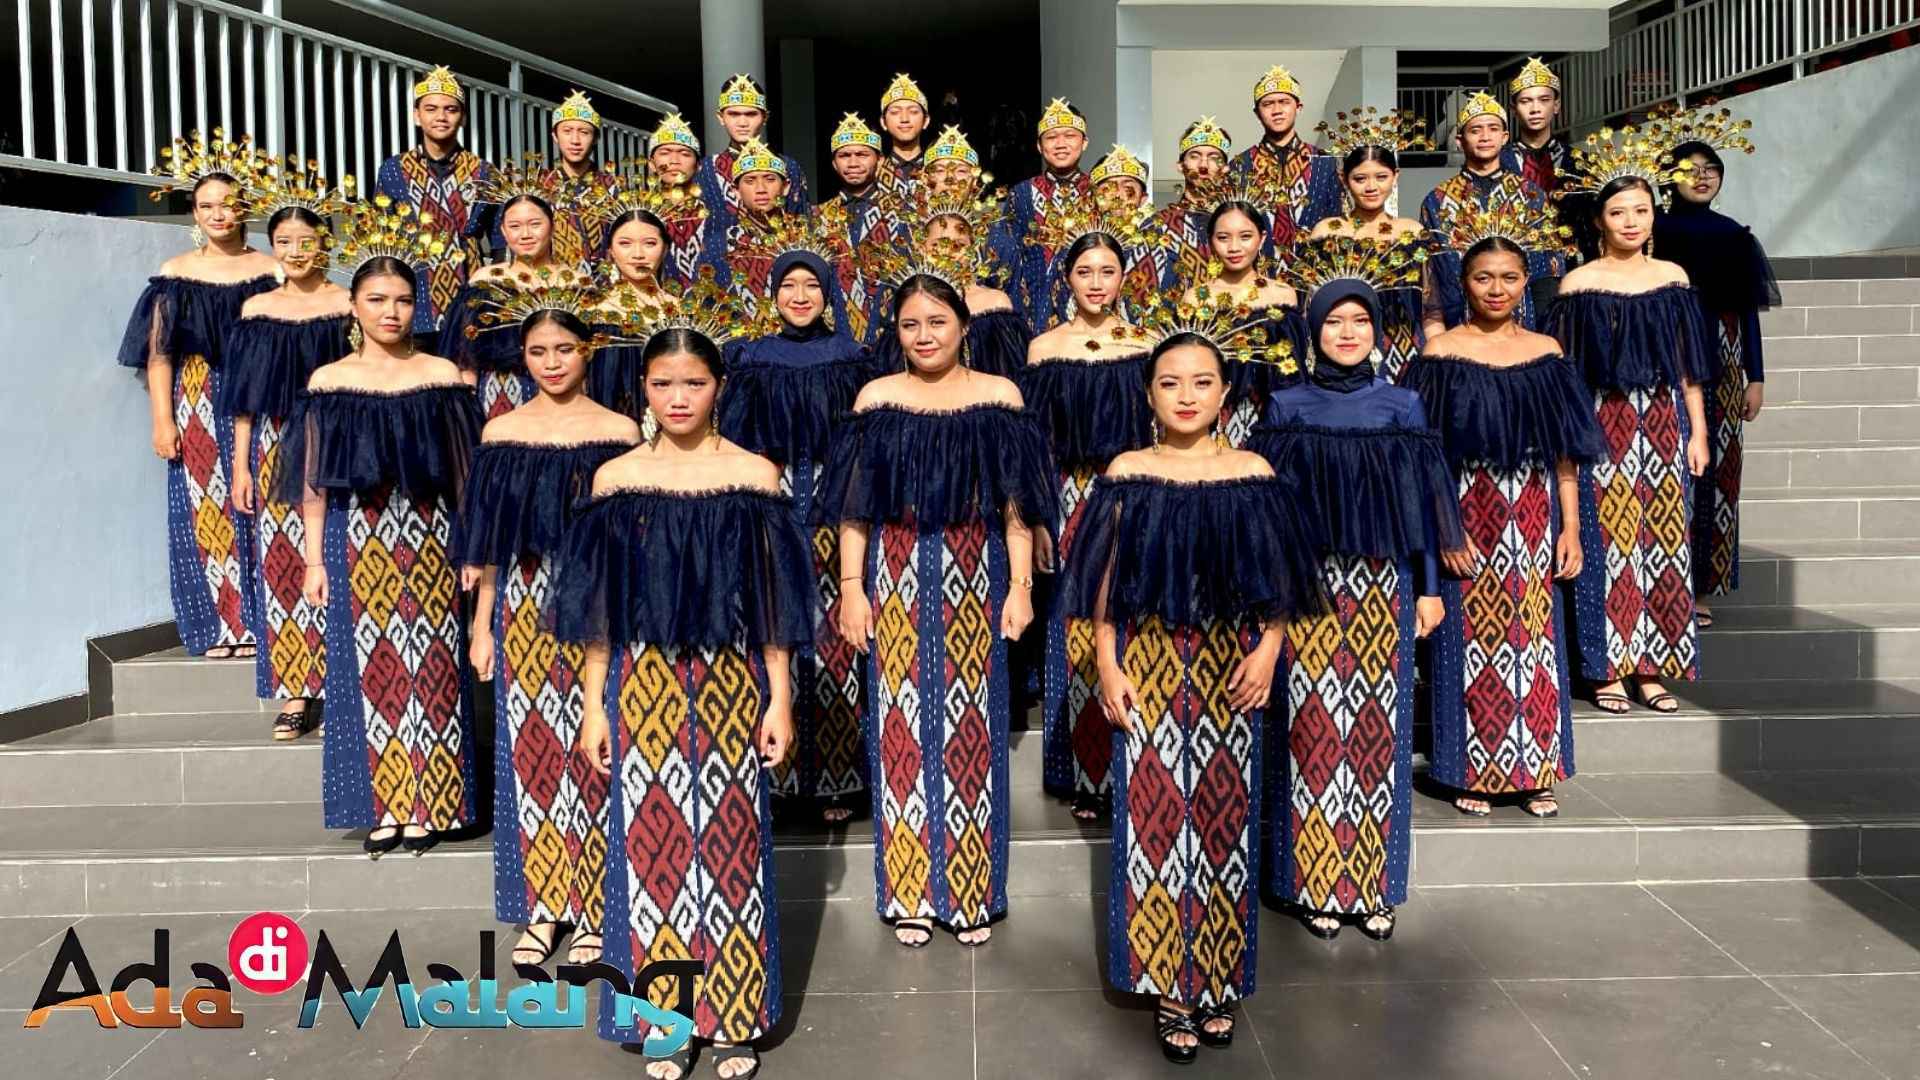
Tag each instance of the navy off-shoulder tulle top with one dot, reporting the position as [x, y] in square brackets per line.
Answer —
[893, 464]
[784, 392]
[1193, 552]
[495, 349]
[521, 495]
[417, 441]
[1633, 341]
[996, 344]
[1091, 410]
[691, 569]
[269, 360]
[1537, 412]
[1368, 470]
[177, 317]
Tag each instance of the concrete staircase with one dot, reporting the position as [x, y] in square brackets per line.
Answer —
[1798, 756]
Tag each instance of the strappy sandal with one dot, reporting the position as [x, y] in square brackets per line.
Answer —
[245, 652]
[922, 926]
[1168, 1022]
[291, 725]
[1662, 702]
[535, 955]
[1323, 933]
[1612, 702]
[724, 1054]
[837, 810]
[1542, 804]
[218, 652]
[976, 942]
[1367, 928]
[1087, 807]
[1485, 808]
[1219, 1040]
[1702, 618]
[681, 1059]
[597, 945]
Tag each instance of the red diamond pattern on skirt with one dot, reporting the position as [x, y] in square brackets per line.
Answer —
[538, 758]
[659, 846]
[1154, 806]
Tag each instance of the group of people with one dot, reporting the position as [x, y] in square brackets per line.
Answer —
[728, 497]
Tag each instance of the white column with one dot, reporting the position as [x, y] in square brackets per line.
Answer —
[732, 40]
[793, 112]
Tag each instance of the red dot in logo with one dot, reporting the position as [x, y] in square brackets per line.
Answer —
[267, 953]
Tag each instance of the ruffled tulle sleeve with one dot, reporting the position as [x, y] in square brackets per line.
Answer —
[893, 464]
[688, 569]
[1091, 410]
[1633, 341]
[269, 361]
[1537, 412]
[996, 343]
[787, 411]
[176, 317]
[521, 495]
[418, 441]
[464, 342]
[1383, 492]
[1193, 552]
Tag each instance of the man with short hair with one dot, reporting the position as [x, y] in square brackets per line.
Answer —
[673, 157]
[1061, 137]
[576, 132]
[742, 108]
[1203, 167]
[1535, 152]
[903, 115]
[865, 214]
[441, 179]
[1303, 182]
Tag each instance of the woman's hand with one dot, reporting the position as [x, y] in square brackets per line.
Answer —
[469, 577]
[1462, 562]
[480, 648]
[1697, 456]
[1251, 684]
[166, 439]
[1567, 557]
[595, 742]
[241, 486]
[313, 585]
[1750, 403]
[856, 618]
[1043, 552]
[1428, 611]
[1017, 612]
[775, 736]
[1117, 697]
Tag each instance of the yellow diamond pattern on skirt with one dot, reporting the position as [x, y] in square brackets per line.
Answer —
[546, 855]
[212, 528]
[737, 981]
[393, 777]
[1156, 672]
[654, 705]
[907, 867]
[532, 650]
[1154, 934]
[1490, 609]
[1375, 635]
[899, 646]
[1219, 943]
[428, 569]
[376, 582]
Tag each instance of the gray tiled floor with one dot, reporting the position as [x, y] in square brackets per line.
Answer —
[1788, 978]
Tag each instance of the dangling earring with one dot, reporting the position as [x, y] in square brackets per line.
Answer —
[650, 427]
[355, 338]
[197, 238]
[279, 274]
[966, 353]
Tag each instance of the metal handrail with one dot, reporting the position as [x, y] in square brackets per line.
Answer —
[356, 112]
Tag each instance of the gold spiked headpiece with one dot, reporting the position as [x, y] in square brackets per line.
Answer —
[1609, 154]
[1277, 80]
[440, 81]
[1121, 162]
[1479, 105]
[192, 159]
[1507, 214]
[1233, 325]
[509, 300]
[853, 131]
[779, 231]
[903, 88]
[1398, 130]
[505, 183]
[952, 146]
[1206, 132]
[384, 227]
[1374, 259]
[1060, 114]
[290, 183]
[1704, 124]
[949, 259]
[755, 157]
[1536, 73]
[703, 307]
[673, 130]
[741, 93]
[641, 190]
[1067, 216]
[577, 107]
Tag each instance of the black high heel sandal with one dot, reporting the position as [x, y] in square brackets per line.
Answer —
[681, 1059]
[376, 848]
[1366, 926]
[724, 1054]
[923, 926]
[1219, 1040]
[1323, 933]
[1169, 1022]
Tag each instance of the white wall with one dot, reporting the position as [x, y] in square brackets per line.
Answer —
[84, 539]
[1835, 161]
[1191, 83]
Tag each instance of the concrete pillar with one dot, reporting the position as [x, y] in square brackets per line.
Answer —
[732, 40]
[793, 112]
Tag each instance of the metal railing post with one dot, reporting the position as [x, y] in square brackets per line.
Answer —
[275, 140]
[516, 114]
[1799, 38]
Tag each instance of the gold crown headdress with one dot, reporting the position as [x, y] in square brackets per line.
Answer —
[1704, 124]
[1233, 325]
[640, 189]
[1536, 73]
[1610, 154]
[1205, 132]
[509, 300]
[577, 107]
[1507, 214]
[1059, 114]
[386, 228]
[779, 231]
[1375, 259]
[192, 159]
[505, 183]
[1120, 162]
[440, 81]
[1479, 105]
[1398, 130]
[673, 131]
[755, 157]
[290, 183]
[741, 93]
[1067, 216]
[903, 88]
[703, 307]
[957, 263]
[1277, 80]
[853, 131]
[952, 145]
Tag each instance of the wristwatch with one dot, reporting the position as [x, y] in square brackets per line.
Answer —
[1024, 582]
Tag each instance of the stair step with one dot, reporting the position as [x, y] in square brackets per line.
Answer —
[1829, 423]
[1819, 573]
[1832, 466]
[173, 682]
[1743, 726]
[1683, 827]
[1844, 642]
[1772, 514]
